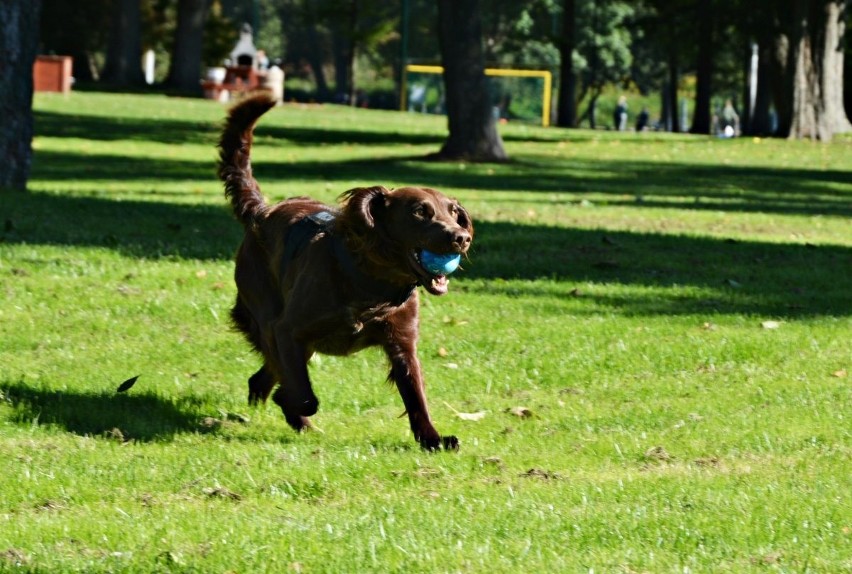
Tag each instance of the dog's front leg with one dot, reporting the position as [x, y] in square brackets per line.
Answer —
[294, 394]
[406, 374]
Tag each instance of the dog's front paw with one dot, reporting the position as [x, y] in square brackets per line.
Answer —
[440, 443]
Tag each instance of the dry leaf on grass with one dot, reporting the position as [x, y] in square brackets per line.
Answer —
[522, 412]
[477, 416]
[658, 453]
[770, 324]
[839, 373]
[542, 474]
[221, 492]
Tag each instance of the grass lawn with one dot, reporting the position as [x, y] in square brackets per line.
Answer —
[653, 333]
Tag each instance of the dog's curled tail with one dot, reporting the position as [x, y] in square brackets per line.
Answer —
[235, 159]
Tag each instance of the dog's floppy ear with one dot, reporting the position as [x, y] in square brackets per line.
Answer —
[463, 218]
[365, 203]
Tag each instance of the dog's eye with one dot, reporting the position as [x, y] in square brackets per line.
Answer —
[423, 211]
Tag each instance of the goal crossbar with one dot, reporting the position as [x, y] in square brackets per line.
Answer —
[505, 72]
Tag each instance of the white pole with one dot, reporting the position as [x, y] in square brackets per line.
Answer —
[149, 67]
[752, 80]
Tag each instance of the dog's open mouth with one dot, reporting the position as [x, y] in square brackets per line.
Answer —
[436, 284]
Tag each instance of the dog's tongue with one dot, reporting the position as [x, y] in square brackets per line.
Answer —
[439, 284]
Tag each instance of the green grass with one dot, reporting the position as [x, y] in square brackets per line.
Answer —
[620, 288]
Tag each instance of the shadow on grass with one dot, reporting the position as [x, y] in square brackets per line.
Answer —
[645, 184]
[101, 128]
[174, 131]
[733, 276]
[134, 228]
[782, 280]
[140, 416]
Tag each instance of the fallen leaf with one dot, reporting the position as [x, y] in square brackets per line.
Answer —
[201, 274]
[522, 412]
[14, 556]
[211, 422]
[770, 324]
[658, 453]
[125, 386]
[221, 492]
[49, 505]
[477, 416]
[442, 352]
[839, 374]
[538, 473]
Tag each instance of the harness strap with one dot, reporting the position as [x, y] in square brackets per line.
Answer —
[303, 231]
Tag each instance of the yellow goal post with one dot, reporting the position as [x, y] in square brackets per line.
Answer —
[545, 75]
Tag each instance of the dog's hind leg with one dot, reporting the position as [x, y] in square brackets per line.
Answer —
[260, 386]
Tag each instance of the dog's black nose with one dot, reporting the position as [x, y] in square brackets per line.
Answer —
[462, 239]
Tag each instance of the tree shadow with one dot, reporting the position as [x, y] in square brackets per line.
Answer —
[783, 280]
[127, 416]
[178, 131]
[686, 274]
[146, 229]
[622, 182]
[117, 128]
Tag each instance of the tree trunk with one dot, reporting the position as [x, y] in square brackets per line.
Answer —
[782, 83]
[704, 69]
[567, 112]
[315, 61]
[19, 25]
[808, 118]
[832, 67]
[472, 126]
[186, 67]
[343, 33]
[761, 121]
[124, 52]
[672, 119]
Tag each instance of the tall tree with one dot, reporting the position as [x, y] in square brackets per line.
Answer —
[704, 67]
[603, 48]
[567, 107]
[19, 24]
[186, 65]
[124, 52]
[833, 65]
[811, 47]
[473, 131]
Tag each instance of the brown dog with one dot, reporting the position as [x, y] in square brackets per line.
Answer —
[316, 278]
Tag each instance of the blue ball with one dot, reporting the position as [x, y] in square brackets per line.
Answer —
[440, 264]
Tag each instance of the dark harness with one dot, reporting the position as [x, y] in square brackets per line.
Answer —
[305, 230]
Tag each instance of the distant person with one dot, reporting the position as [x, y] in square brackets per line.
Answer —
[417, 98]
[619, 116]
[262, 60]
[642, 120]
[729, 120]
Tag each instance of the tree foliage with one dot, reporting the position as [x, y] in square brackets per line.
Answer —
[340, 46]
